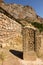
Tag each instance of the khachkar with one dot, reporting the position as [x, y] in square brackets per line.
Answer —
[31, 43]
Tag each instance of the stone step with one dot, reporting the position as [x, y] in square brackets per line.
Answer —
[31, 55]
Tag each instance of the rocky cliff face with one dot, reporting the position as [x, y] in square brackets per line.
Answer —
[22, 12]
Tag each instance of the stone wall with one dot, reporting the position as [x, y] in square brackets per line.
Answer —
[39, 46]
[10, 32]
[10, 35]
[28, 42]
[28, 39]
[32, 43]
[37, 42]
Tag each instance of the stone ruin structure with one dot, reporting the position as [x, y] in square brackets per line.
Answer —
[32, 43]
[10, 28]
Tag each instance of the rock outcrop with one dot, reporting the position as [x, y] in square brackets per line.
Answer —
[20, 12]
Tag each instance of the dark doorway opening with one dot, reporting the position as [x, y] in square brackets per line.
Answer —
[17, 53]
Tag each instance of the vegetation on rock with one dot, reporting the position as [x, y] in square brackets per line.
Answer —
[38, 25]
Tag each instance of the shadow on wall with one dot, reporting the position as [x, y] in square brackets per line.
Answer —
[17, 53]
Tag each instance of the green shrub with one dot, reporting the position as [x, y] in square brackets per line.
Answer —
[38, 25]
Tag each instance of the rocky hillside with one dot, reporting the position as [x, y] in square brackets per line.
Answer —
[20, 12]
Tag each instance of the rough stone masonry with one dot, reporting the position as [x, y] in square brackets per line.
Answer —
[32, 43]
[10, 31]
